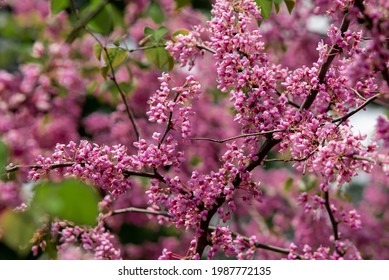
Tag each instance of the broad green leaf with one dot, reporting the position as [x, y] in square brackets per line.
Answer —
[155, 12]
[104, 71]
[182, 3]
[3, 158]
[290, 5]
[159, 33]
[17, 231]
[97, 49]
[160, 57]
[70, 200]
[266, 6]
[178, 32]
[155, 35]
[57, 6]
[278, 1]
[103, 21]
[116, 56]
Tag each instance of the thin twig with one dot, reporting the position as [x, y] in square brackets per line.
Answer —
[154, 175]
[334, 223]
[113, 75]
[139, 210]
[236, 137]
[349, 114]
[169, 125]
[208, 49]
[84, 21]
[126, 172]
[13, 168]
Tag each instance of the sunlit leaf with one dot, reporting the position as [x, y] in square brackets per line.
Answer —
[155, 12]
[57, 6]
[69, 200]
[97, 49]
[116, 56]
[160, 57]
[17, 231]
[266, 6]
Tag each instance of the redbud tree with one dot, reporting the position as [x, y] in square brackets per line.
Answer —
[162, 129]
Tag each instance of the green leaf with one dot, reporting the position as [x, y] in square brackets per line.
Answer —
[58, 5]
[290, 5]
[97, 49]
[159, 33]
[160, 57]
[278, 1]
[70, 200]
[116, 56]
[3, 158]
[266, 6]
[178, 32]
[18, 230]
[155, 12]
[104, 71]
[103, 22]
[182, 3]
[155, 35]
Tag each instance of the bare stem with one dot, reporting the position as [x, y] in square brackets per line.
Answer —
[236, 137]
[140, 210]
[334, 223]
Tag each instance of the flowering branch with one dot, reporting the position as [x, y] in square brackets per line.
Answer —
[335, 49]
[349, 114]
[127, 173]
[262, 245]
[370, 25]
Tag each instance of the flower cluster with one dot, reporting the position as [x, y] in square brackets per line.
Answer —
[163, 104]
[77, 242]
[101, 165]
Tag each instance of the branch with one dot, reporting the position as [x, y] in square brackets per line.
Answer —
[349, 114]
[139, 210]
[84, 21]
[325, 67]
[169, 123]
[12, 168]
[155, 175]
[204, 239]
[236, 137]
[334, 223]
[126, 172]
[208, 49]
